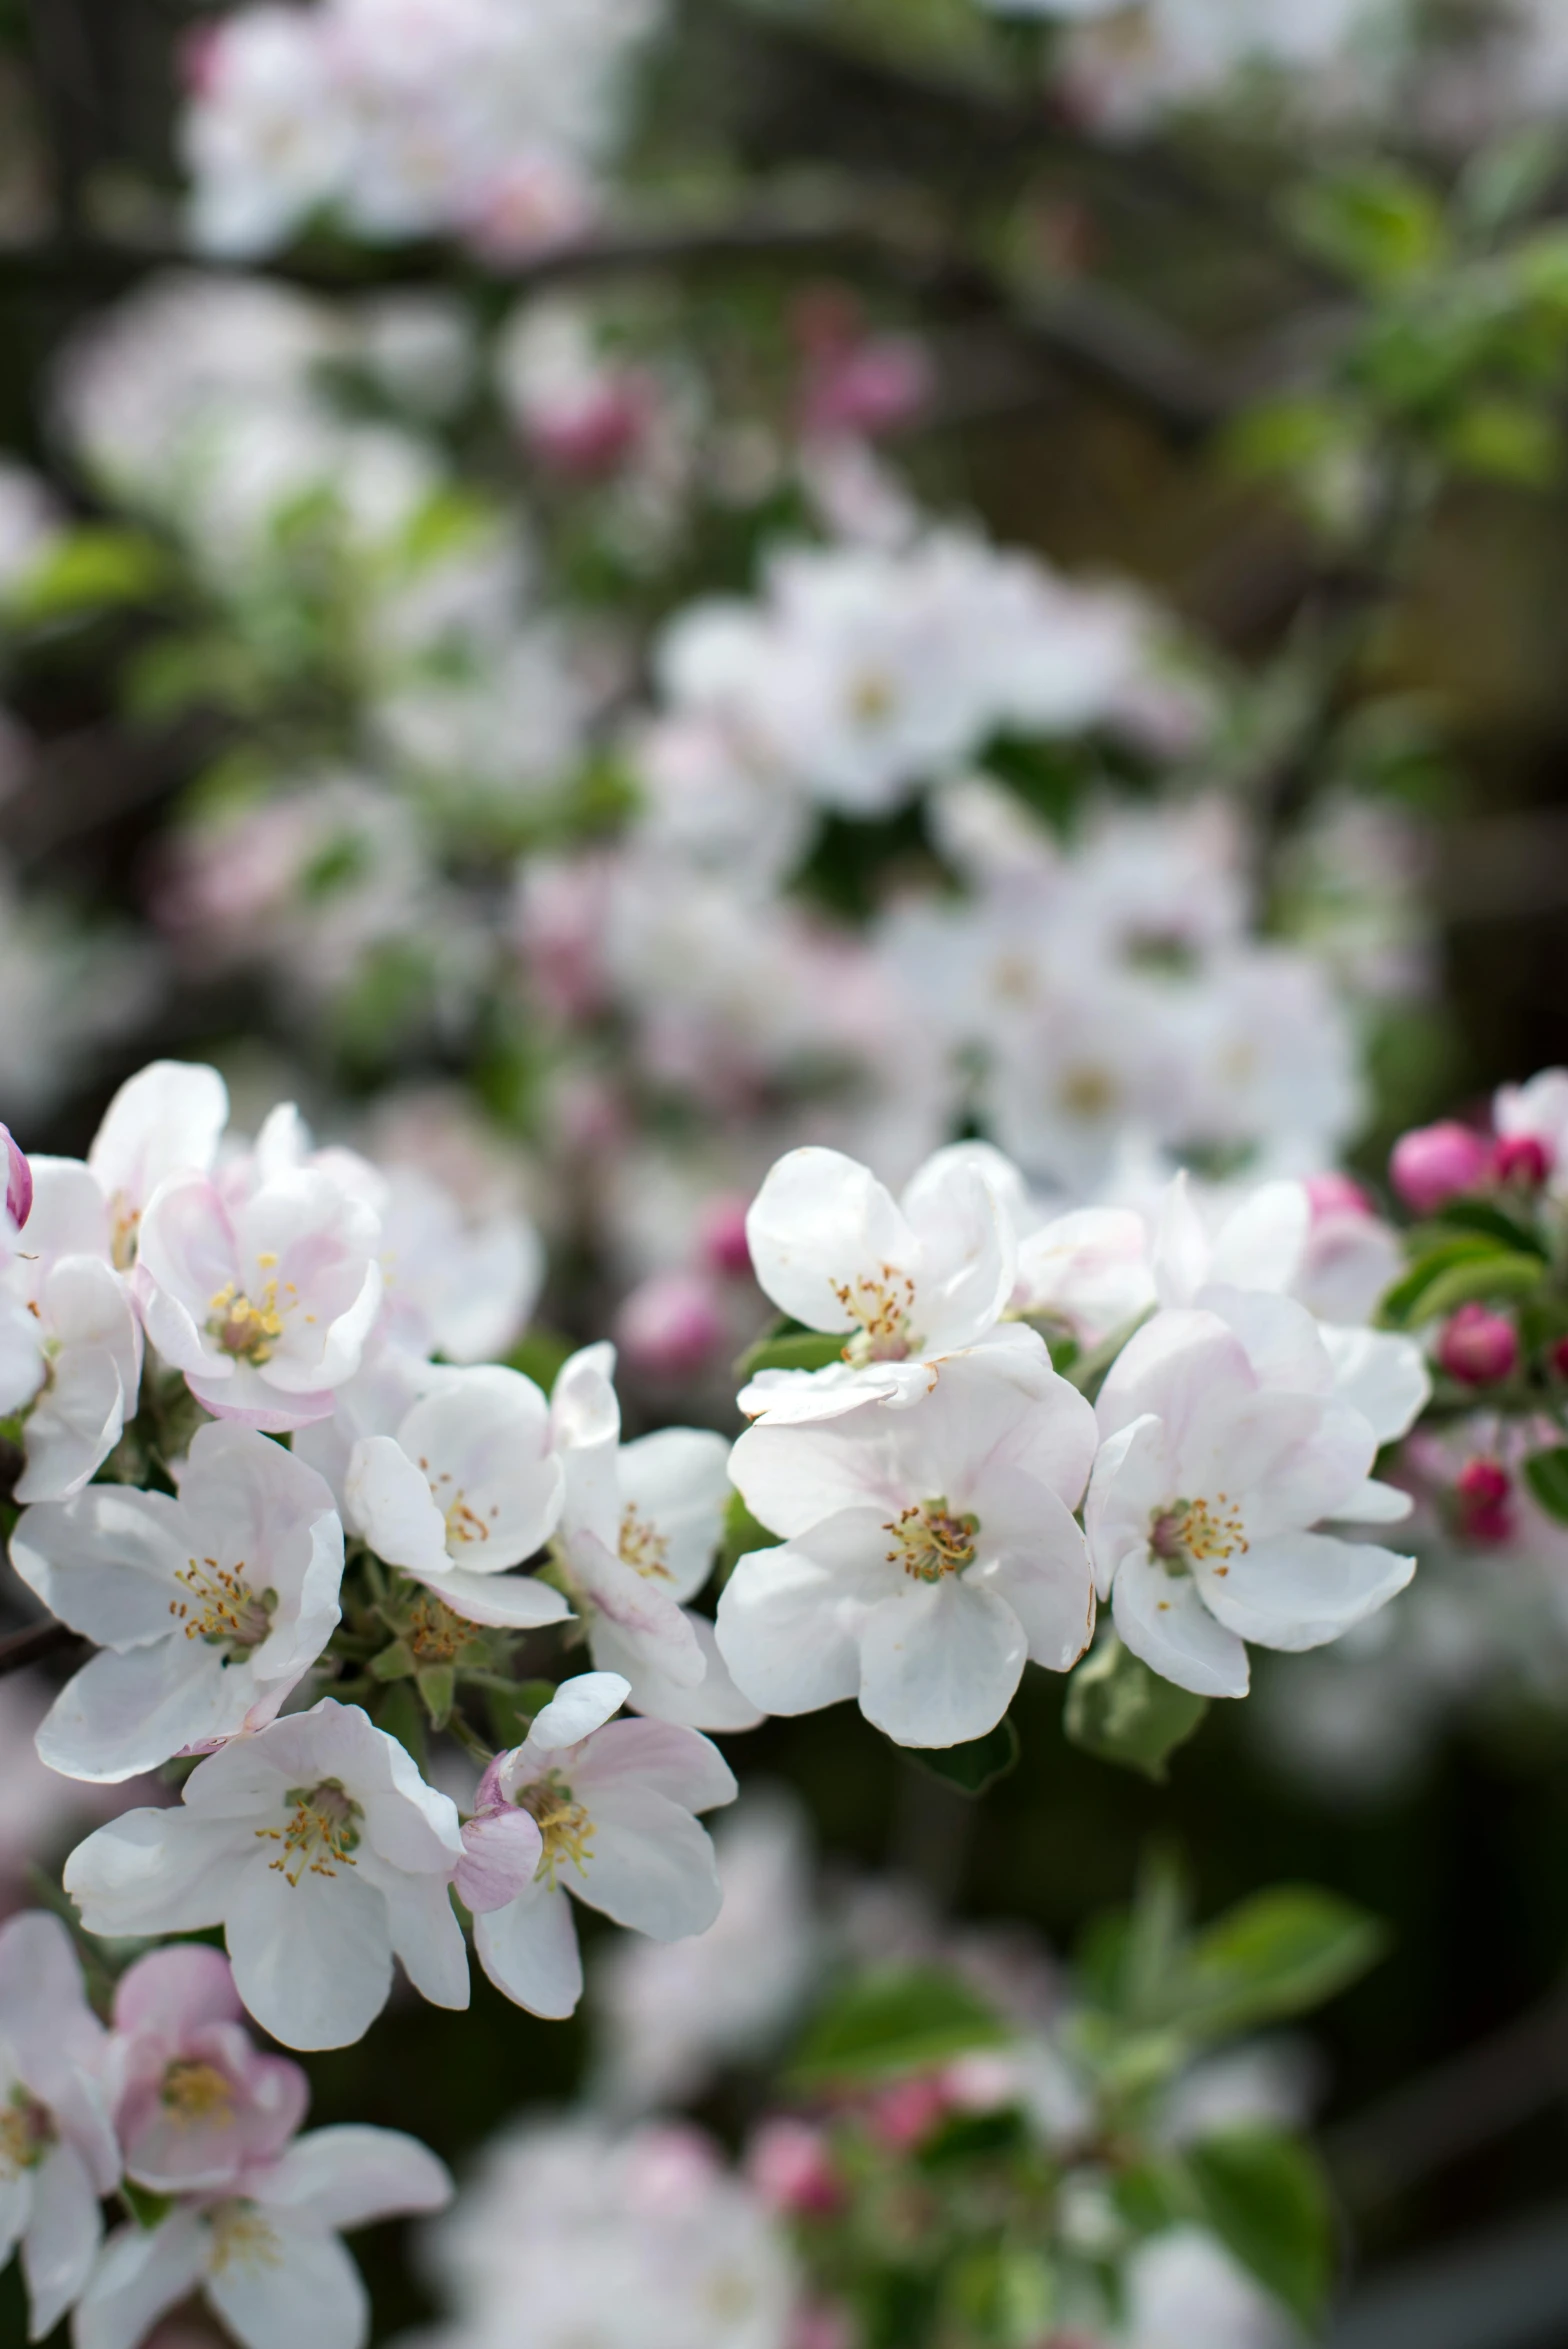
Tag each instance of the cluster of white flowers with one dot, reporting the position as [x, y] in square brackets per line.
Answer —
[397, 119]
[175, 2100]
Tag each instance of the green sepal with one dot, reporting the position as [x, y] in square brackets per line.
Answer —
[1121, 1712]
[396, 1662]
[977, 1766]
[146, 2208]
[438, 1692]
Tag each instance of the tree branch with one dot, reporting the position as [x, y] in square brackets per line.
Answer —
[34, 1645]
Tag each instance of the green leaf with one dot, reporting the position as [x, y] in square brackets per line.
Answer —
[1120, 1711]
[1495, 1279]
[1266, 2199]
[1508, 438]
[1547, 1476]
[1278, 1954]
[1509, 176]
[1468, 1266]
[148, 2209]
[975, 1767]
[394, 1663]
[899, 2019]
[87, 571]
[540, 1354]
[1480, 1216]
[789, 1348]
[1380, 225]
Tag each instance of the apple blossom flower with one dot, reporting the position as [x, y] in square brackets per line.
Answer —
[1225, 1448]
[1521, 1162]
[614, 1804]
[195, 2105]
[926, 1554]
[70, 1343]
[638, 2239]
[263, 1299]
[467, 1487]
[639, 1531]
[267, 2258]
[209, 1607]
[321, 1851]
[165, 1120]
[58, 2155]
[456, 1285]
[908, 1284]
[18, 1180]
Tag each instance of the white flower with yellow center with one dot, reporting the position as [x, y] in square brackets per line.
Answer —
[209, 1607]
[908, 1284]
[169, 1117]
[468, 1487]
[1227, 1442]
[57, 2150]
[611, 1806]
[262, 1293]
[638, 1536]
[268, 2261]
[321, 1851]
[927, 1553]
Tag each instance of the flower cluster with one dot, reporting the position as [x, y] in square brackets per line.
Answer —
[174, 2108]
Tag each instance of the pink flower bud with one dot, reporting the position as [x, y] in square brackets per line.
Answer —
[1434, 1164]
[818, 2325]
[1478, 1346]
[1334, 1195]
[901, 2116]
[1521, 1159]
[791, 2166]
[723, 1235]
[868, 388]
[18, 1181]
[1560, 1357]
[585, 439]
[1483, 1489]
[670, 1326]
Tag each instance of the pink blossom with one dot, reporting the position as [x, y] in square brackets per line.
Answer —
[869, 387]
[1433, 1164]
[903, 2115]
[670, 1324]
[19, 1181]
[1483, 1489]
[1334, 1195]
[1479, 1346]
[722, 1234]
[790, 2163]
[196, 2107]
[1522, 1159]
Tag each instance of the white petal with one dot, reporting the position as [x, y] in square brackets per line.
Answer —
[1042, 1567]
[781, 1632]
[143, 2273]
[169, 1115]
[529, 1951]
[303, 2286]
[1375, 1504]
[512, 1602]
[659, 1756]
[577, 1709]
[353, 2175]
[967, 1256]
[426, 1935]
[651, 1867]
[822, 1222]
[1381, 1375]
[1261, 1243]
[312, 1960]
[121, 1715]
[389, 1501]
[74, 1425]
[584, 1412]
[715, 1703]
[105, 1562]
[61, 2237]
[677, 1481]
[482, 1441]
[1161, 1618]
[1134, 1477]
[1301, 1590]
[154, 1872]
[939, 1663]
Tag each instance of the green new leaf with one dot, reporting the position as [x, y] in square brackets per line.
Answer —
[1381, 226]
[1266, 2199]
[900, 2019]
[1481, 1217]
[1275, 1955]
[789, 1348]
[974, 1767]
[88, 571]
[1120, 1711]
[1456, 1272]
[1497, 1279]
[1547, 1476]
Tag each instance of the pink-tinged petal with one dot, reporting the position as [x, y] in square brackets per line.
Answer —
[176, 1989]
[821, 1223]
[642, 1611]
[1165, 1623]
[529, 1951]
[166, 1119]
[660, 1756]
[390, 1502]
[122, 1715]
[1134, 1477]
[245, 1400]
[153, 1872]
[61, 2239]
[353, 2175]
[501, 1854]
[189, 1254]
[939, 1663]
[715, 1703]
[19, 1181]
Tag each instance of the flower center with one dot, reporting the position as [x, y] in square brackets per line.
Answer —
[1192, 1533]
[26, 2134]
[1087, 1091]
[434, 1633]
[244, 1327]
[222, 1609]
[642, 1546]
[872, 699]
[930, 1541]
[882, 1307]
[124, 1231]
[320, 1832]
[565, 1825]
[242, 2236]
[463, 1524]
[195, 2091]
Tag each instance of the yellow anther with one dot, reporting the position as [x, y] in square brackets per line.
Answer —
[930, 1541]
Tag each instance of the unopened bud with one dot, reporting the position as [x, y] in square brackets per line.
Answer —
[18, 1181]
[790, 2164]
[670, 1325]
[723, 1235]
[1478, 1346]
[1483, 1489]
[1433, 1164]
[1522, 1160]
[1335, 1194]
